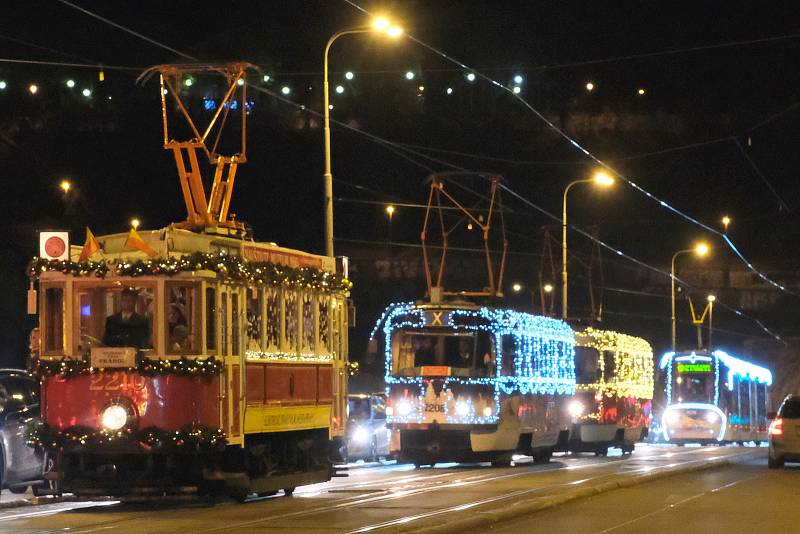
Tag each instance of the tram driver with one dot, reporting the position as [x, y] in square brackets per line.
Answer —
[127, 328]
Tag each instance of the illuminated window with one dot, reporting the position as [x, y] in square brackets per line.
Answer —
[54, 319]
[183, 328]
[211, 324]
[113, 316]
[223, 323]
[609, 365]
[290, 321]
[308, 323]
[255, 331]
[324, 324]
[236, 347]
[587, 370]
[273, 319]
[508, 354]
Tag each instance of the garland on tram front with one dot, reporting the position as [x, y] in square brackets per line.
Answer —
[67, 367]
[188, 438]
[229, 267]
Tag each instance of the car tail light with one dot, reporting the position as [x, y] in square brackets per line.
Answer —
[776, 427]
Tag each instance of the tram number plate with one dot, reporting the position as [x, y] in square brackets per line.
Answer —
[434, 407]
[116, 381]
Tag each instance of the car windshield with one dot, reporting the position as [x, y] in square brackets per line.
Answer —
[791, 409]
[451, 353]
[16, 390]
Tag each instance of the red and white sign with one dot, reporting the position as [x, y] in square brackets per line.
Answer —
[54, 245]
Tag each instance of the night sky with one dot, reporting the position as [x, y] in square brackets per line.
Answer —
[738, 104]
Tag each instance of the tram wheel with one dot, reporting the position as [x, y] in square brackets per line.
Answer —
[288, 492]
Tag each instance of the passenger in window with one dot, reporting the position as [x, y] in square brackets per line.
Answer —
[464, 353]
[127, 328]
[178, 327]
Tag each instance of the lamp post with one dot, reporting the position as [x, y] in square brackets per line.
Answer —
[701, 249]
[379, 25]
[711, 299]
[600, 178]
[390, 213]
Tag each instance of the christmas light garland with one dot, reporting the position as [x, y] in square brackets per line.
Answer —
[227, 266]
[188, 438]
[67, 367]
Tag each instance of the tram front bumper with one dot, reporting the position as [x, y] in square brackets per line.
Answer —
[694, 422]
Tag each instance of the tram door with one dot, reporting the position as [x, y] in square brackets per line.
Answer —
[230, 315]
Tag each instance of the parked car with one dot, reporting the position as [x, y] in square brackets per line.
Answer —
[784, 433]
[20, 465]
[367, 435]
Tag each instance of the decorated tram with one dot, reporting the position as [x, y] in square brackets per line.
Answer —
[614, 391]
[472, 383]
[190, 357]
[714, 397]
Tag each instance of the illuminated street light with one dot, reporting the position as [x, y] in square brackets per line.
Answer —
[379, 24]
[285, 90]
[349, 75]
[548, 288]
[471, 76]
[409, 75]
[725, 222]
[701, 249]
[188, 82]
[711, 299]
[70, 83]
[3, 85]
[65, 186]
[240, 82]
[33, 88]
[266, 78]
[517, 89]
[517, 287]
[518, 79]
[449, 91]
[135, 223]
[589, 86]
[602, 179]
[421, 88]
[390, 210]
[339, 89]
[641, 91]
[87, 93]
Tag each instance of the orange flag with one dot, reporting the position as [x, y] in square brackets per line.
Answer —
[90, 246]
[135, 241]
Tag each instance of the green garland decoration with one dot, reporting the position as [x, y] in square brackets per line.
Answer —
[228, 267]
[189, 438]
[66, 367]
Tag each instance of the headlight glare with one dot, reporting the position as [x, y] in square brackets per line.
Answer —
[114, 417]
[575, 409]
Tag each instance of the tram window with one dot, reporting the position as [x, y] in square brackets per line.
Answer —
[324, 324]
[358, 408]
[235, 336]
[254, 323]
[54, 319]
[223, 323]
[465, 354]
[609, 365]
[587, 370]
[378, 408]
[183, 330]
[114, 316]
[211, 323]
[509, 350]
[291, 320]
[308, 323]
[273, 319]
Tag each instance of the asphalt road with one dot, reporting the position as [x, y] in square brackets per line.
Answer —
[742, 498]
[388, 497]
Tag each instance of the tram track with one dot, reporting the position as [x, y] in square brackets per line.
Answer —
[389, 492]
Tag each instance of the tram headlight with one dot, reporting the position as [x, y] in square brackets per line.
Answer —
[361, 435]
[575, 409]
[672, 417]
[488, 411]
[114, 417]
[462, 408]
[404, 407]
[389, 411]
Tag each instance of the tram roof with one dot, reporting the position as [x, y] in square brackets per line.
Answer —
[736, 365]
[173, 242]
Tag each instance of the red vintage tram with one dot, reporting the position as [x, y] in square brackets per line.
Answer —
[191, 356]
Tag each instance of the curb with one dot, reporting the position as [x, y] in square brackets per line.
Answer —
[482, 516]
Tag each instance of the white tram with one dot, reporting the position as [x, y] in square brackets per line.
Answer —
[714, 397]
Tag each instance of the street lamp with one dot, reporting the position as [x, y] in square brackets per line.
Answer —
[600, 178]
[725, 222]
[381, 25]
[700, 249]
[65, 186]
[135, 223]
[390, 213]
[517, 287]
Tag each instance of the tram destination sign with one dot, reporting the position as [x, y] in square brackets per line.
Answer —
[105, 357]
[694, 367]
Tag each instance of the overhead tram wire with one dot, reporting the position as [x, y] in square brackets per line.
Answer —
[781, 203]
[387, 143]
[68, 64]
[594, 158]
